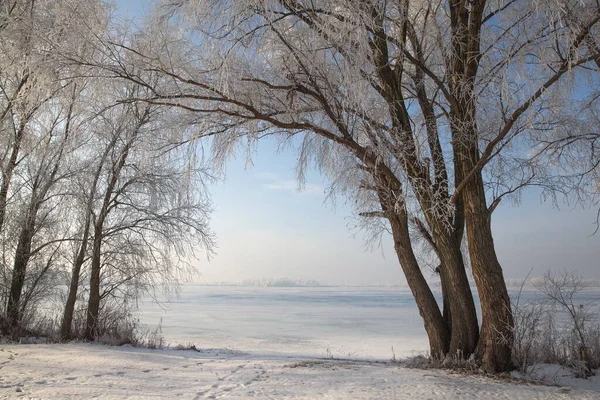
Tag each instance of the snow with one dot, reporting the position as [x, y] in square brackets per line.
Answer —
[86, 371]
[561, 376]
[268, 343]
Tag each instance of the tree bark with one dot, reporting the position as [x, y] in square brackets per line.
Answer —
[67, 322]
[495, 345]
[435, 326]
[91, 327]
[446, 311]
[464, 333]
[463, 315]
[22, 255]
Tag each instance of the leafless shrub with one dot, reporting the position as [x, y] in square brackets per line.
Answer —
[117, 328]
[527, 334]
[561, 328]
[152, 339]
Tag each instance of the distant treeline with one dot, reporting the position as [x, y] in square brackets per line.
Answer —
[283, 282]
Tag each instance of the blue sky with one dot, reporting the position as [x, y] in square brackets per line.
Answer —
[267, 229]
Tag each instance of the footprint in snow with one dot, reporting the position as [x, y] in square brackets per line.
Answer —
[146, 371]
[71, 378]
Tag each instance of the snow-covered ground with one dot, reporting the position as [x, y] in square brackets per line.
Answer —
[85, 371]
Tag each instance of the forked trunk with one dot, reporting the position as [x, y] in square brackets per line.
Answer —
[496, 336]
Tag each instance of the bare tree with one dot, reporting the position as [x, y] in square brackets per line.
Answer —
[44, 164]
[564, 289]
[88, 198]
[150, 211]
[406, 105]
[87, 179]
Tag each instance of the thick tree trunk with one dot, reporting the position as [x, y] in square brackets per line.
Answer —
[496, 335]
[495, 345]
[91, 328]
[436, 328]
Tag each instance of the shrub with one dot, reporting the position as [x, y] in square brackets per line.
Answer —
[562, 328]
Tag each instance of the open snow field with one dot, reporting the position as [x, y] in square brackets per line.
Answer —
[84, 371]
[267, 343]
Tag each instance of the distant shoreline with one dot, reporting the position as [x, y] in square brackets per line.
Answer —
[510, 283]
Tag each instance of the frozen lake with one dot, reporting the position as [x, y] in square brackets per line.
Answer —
[341, 322]
[307, 321]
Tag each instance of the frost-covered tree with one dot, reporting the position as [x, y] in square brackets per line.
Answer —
[150, 212]
[427, 113]
[40, 119]
[90, 184]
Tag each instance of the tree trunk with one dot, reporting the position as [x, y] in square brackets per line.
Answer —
[22, 255]
[496, 335]
[446, 311]
[67, 322]
[437, 331]
[495, 345]
[91, 328]
[7, 172]
[465, 328]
